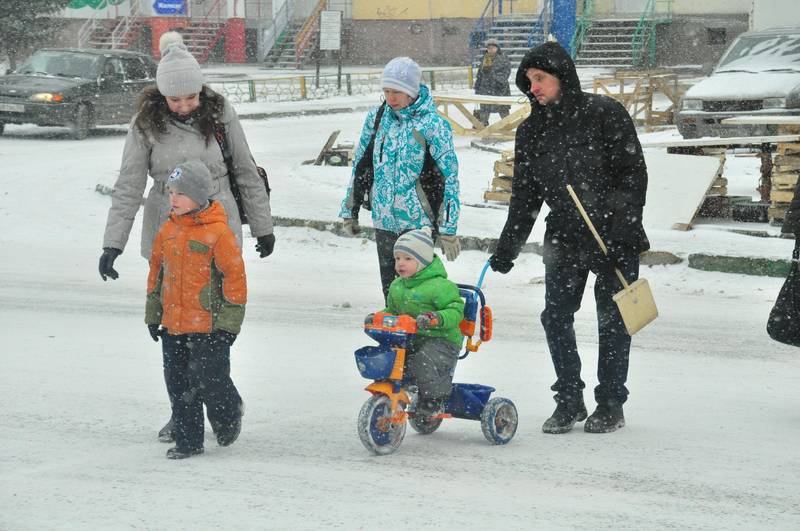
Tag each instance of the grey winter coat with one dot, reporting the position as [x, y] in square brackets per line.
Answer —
[183, 141]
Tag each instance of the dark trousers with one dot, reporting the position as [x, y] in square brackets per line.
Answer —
[197, 371]
[484, 111]
[385, 241]
[430, 364]
[564, 286]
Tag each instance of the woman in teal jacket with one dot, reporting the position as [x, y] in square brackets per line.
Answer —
[409, 128]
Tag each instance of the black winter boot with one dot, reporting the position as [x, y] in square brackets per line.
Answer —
[227, 435]
[177, 453]
[605, 419]
[564, 417]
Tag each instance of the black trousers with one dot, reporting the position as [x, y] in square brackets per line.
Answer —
[564, 286]
[485, 111]
[385, 241]
[197, 371]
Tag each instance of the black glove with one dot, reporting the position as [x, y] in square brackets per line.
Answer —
[107, 263]
[225, 337]
[369, 318]
[155, 332]
[614, 258]
[501, 265]
[265, 245]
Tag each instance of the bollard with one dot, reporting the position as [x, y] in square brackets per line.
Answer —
[302, 87]
[469, 77]
[251, 86]
[433, 80]
[349, 85]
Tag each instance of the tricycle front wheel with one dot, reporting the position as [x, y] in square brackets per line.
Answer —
[378, 433]
[499, 420]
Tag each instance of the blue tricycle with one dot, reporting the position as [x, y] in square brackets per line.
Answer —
[382, 419]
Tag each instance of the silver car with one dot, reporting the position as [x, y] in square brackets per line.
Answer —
[758, 74]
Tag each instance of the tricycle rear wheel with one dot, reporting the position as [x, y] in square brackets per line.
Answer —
[424, 425]
[376, 430]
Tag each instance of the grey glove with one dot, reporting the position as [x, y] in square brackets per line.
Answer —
[351, 227]
[450, 245]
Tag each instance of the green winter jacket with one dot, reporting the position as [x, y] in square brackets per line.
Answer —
[429, 290]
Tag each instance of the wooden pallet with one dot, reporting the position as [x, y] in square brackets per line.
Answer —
[785, 173]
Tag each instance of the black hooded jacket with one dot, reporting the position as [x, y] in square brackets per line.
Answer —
[588, 141]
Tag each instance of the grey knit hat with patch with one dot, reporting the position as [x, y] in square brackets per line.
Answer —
[178, 73]
[193, 180]
[418, 244]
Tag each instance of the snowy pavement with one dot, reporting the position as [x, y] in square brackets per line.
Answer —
[713, 421]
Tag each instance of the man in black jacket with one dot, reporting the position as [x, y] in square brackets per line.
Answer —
[590, 142]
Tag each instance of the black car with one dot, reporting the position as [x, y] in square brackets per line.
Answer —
[75, 88]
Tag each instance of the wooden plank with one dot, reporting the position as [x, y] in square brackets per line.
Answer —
[489, 100]
[784, 180]
[328, 145]
[781, 196]
[503, 183]
[502, 197]
[477, 124]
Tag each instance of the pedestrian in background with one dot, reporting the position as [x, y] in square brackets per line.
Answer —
[492, 80]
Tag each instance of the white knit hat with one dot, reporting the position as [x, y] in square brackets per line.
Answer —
[403, 74]
[178, 72]
[418, 244]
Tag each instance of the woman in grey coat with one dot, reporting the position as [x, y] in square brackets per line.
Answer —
[176, 123]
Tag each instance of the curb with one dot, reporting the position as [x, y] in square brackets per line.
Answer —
[468, 243]
[743, 265]
[309, 112]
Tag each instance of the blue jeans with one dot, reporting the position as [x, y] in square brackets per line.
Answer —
[197, 371]
[564, 286]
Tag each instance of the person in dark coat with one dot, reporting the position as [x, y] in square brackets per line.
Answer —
[492, 80]
[590, 142]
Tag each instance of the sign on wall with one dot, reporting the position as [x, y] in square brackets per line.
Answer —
[330, 30]
[169, 7]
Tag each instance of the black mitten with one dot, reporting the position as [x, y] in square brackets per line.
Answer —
[107, 263]
[265, 245]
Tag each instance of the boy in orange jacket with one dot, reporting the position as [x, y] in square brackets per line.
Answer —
[196, 292]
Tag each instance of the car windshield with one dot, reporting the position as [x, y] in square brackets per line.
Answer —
[61, 64]
[762, 53]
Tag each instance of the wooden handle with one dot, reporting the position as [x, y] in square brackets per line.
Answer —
[597, 237]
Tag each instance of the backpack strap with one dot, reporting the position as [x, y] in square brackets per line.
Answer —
[365, 171]
[430, 186]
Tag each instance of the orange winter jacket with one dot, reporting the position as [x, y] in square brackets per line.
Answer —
[197, 281]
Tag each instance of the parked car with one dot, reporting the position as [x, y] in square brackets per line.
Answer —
[75, 88]
[758, 74]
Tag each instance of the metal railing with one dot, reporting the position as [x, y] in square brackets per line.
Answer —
[585, 21]
[305, 87]
[85, 32]
[308, 31]
[645, 33]
[276, 27]
[542, 24]
[129, 23]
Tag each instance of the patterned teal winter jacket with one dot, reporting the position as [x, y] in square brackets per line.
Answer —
[398, 158]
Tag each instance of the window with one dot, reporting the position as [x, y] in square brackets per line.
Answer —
[717, 36]
[134, 69]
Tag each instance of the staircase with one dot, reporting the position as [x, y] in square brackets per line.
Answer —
[516, 35]
[608, 43]
[115, 33]
[283, 55]
[202, 36]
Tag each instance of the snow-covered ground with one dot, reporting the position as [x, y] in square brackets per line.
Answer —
[713, 416]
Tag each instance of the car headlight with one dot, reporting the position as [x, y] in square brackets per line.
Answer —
[771, 103]
[47, 97]
[692, 105]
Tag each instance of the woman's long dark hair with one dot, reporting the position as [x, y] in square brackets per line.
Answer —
[154, 113]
